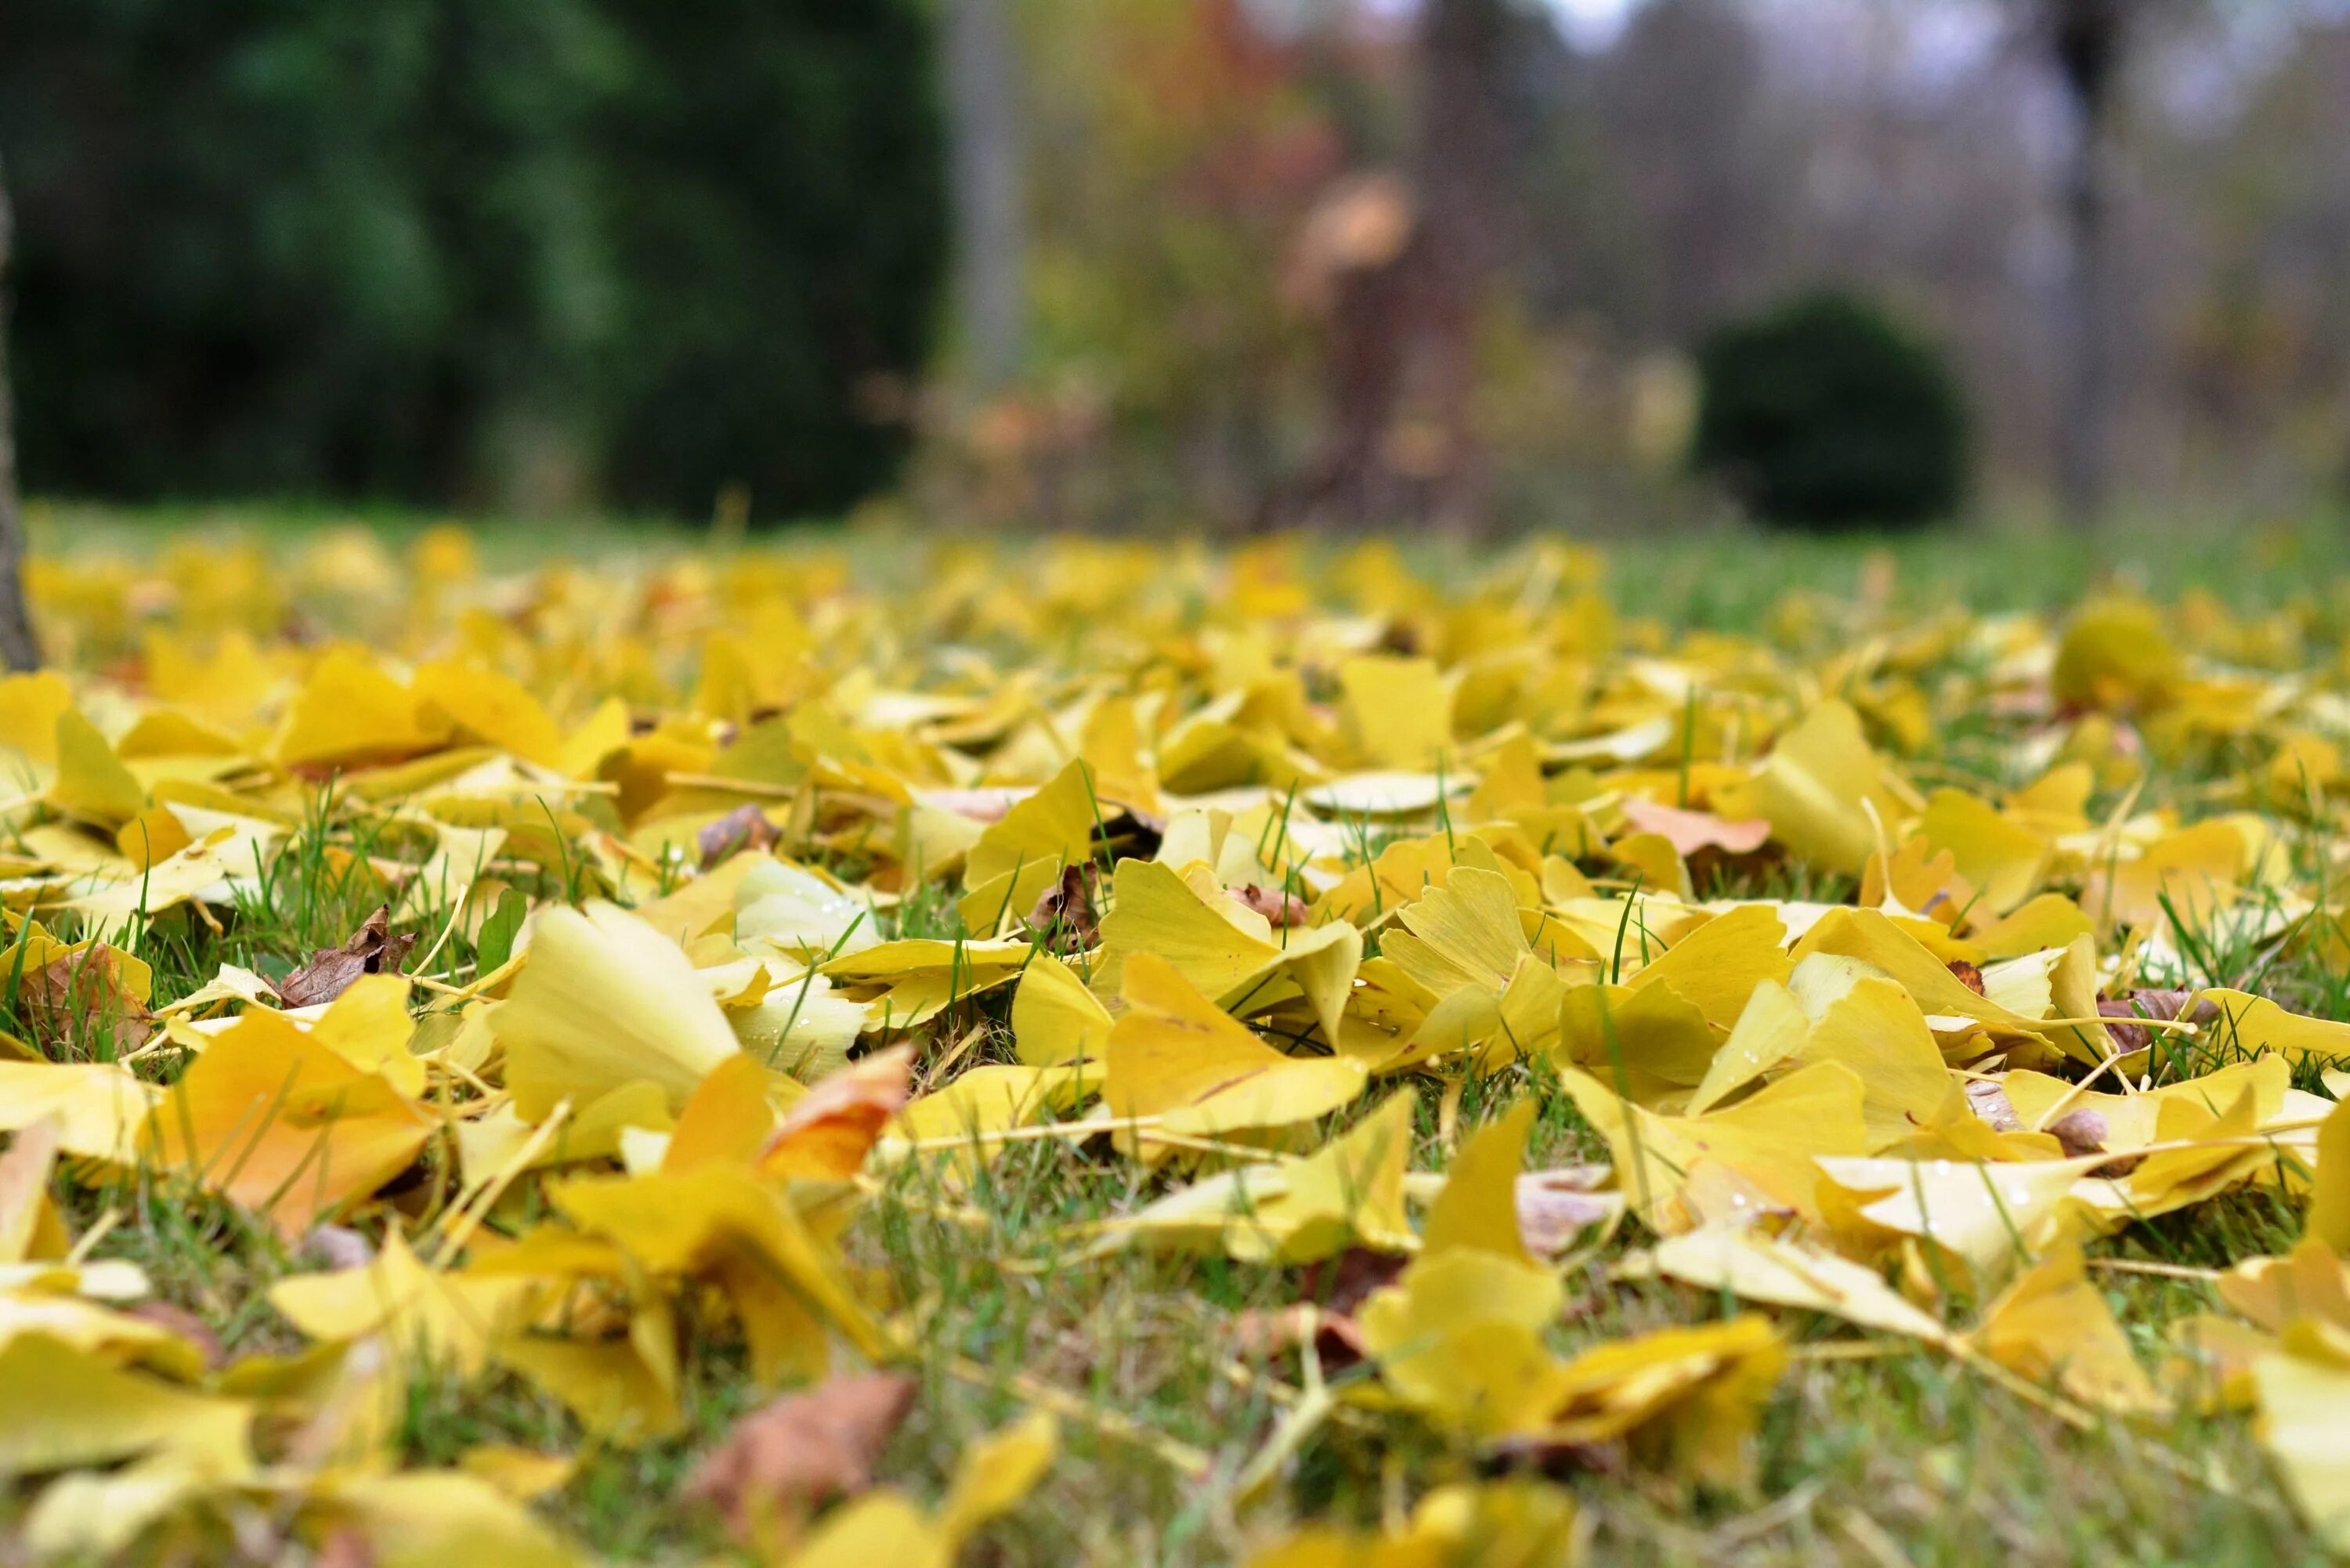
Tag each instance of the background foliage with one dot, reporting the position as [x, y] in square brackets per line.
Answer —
[1824, 412]
[505, 252]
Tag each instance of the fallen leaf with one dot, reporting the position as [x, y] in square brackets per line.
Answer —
[371, 949]
[778, 1462]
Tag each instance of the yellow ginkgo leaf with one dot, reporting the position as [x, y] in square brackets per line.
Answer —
[369, 1026]
[605, 1001]
[1769, 1030]
[349, 712]
[906, 983]
[288, 1128]
[1398, 712]
[741, 1232]
[2329, 1202]
[1877, 1031]
[1179, 1060]
[1477, 1206]
[492, 708]
[60, 1406]
[1819, 785]
[1022, 853]
[2116, 655]
[1522, 1522]
[599, 1129]
[92, 784]
[1761, 1268]
[100, 1108]
[1659, 1042]
[1465, 934]
[1717, 966]
[1987, 1216]
[2052, 1326]
[994, 1473]
[2191, 875]
[1773, 1142]
[966, 1119]
[886, 1526]
[2302, 1391]
[30, 706]
[1349, 1193]
[1224, 948]
[1458, 1337]
[209, 870]
[441, 1318]
[1996, 854]
[727, 1119]
[1686, 1400]
[1054, 1018]
[441, 1519]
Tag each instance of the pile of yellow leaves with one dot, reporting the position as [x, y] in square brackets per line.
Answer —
[1878, 957]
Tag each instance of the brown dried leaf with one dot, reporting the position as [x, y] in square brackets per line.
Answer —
[371, 949]
[1989, 1101]
[1346, 1282]
[65, 1000]
[1691, 831]
[781, 1461]
[744, 827]
[179, 1320]
[1968, 975]
[1557, 1206]
[346, 1546]
[24, 1188]
[2142, 1003]
[1331, 1291]
[338, 1247]
[1278, 905]
[1067, 915]
[2083, 1132]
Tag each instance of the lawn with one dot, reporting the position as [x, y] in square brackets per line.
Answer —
[1187, 876]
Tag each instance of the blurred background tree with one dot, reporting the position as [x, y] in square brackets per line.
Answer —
[1824, 413]
[526, 253]
[1221, 263]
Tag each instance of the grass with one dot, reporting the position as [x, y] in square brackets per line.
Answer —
[1895, 1458]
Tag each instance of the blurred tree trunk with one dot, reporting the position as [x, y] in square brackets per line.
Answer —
[2089, 37]
[984, 95]
[18, 647]
[1462, 177]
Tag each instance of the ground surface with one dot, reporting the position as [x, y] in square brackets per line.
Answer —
[1866, 1447]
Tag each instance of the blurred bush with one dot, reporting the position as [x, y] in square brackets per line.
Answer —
[1824, 413]
[498, 251]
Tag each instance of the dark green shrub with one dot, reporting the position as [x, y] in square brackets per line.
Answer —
[410, 249]
[1823, 413]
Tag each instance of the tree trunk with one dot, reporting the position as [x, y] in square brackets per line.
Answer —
[2088, 36]
[983, 95]
[1464, 201]
[18, 647]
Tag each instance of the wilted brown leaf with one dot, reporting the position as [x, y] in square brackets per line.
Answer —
[1691, 831]
[781, 1461]
[744, 827]
[1277, 905]
[1557, 1206]
[66, 1002]
[2145, 1003]
[1990, 1102]
[1328, 1292]
[371, 949]
[1067, 915]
